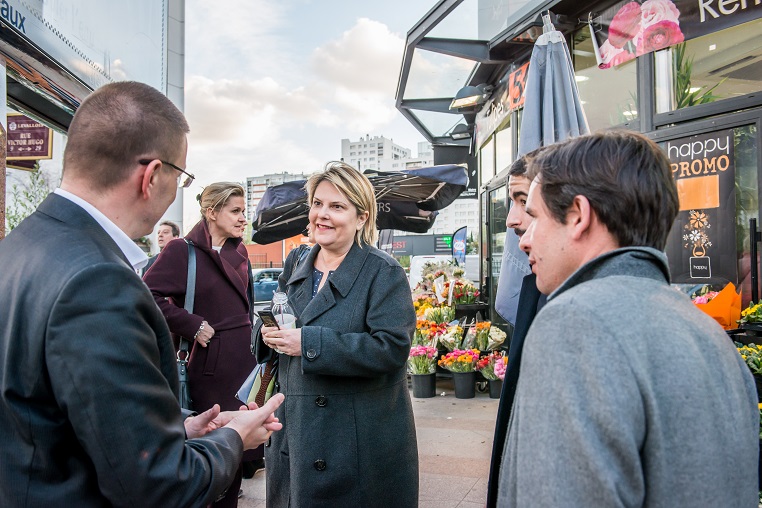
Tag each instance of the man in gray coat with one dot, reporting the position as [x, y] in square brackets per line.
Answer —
[88, 406]
[628, 395]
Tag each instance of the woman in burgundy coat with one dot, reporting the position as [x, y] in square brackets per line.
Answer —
[219, 327]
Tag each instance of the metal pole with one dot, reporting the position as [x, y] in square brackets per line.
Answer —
[753, 262]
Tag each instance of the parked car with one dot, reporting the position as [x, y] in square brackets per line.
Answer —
[265, 282]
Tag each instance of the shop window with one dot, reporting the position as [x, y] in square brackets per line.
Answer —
[497, 215]
[717, 66]
[503, 147]
[609, 96]
[487, 161]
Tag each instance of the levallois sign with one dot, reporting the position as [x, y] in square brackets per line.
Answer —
[28, 139]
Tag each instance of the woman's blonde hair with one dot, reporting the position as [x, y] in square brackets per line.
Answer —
[215, 195]
[357, 188]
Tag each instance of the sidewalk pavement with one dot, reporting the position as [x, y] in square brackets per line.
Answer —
[454, 449]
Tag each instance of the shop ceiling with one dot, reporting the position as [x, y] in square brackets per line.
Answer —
[452, 47]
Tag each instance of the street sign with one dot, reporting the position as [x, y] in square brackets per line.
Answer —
[28, 139]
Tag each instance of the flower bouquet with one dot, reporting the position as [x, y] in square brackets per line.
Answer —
[422, 360]
[441, 314]
[478, 336]
[460, 360]
[422, 302]
[451, 338]
[723, 306]
[427, 332]
[500, 367]
[462, 292]
[486, 365]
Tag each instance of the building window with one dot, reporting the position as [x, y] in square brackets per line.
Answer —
[487, 160]
[503, 147]
[609, 96]
[717, 66]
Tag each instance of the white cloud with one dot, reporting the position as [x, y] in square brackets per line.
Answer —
[257, 103]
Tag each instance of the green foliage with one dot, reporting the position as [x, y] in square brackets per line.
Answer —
[24, 199]
[472, 245]
[682, 68]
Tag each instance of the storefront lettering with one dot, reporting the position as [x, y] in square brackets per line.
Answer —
[705, 7]
[384, 207]
[12, 16]
[700, 166]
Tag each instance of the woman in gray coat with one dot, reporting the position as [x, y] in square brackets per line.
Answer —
[348, 434]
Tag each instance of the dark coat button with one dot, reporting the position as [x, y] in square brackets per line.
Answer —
[311, 353]
[321, 401]
[320, 465]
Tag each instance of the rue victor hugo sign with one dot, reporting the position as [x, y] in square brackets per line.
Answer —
[28, 139]
[701, 246]
[630, 29]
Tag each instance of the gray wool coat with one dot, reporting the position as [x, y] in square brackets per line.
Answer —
[348, 435]
[629, 396]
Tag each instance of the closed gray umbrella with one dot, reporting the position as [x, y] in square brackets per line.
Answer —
[552, 113]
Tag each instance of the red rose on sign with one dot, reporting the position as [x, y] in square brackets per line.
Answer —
[659, 36]
[625, 25]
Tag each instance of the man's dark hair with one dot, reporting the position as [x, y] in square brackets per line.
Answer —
[519, 166]
[119, 124]
[625, 176]
[174, 227]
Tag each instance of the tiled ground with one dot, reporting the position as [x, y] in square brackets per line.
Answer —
[454, 447]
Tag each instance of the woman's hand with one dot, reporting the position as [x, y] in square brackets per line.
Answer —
[205, 334]
[286, 341]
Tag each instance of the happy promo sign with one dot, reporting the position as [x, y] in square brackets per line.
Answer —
[702, 243]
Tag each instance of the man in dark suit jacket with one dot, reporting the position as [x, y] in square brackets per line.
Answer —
[530, 301]
[88, 406]
[166, 232]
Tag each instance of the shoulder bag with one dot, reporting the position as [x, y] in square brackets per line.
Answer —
[183, 351]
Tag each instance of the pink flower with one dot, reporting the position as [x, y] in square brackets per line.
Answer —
[500, 369]
[701, 299]
[625, 25]
[658, 10]
[611, 56]
[659, 36]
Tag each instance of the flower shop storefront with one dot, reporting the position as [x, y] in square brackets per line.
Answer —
[687, 73]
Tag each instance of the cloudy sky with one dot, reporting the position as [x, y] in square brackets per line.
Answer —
[274, 85]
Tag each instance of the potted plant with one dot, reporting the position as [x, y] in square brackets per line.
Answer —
[752, 355]
[462, 364]
[486, 366]
[421, 364]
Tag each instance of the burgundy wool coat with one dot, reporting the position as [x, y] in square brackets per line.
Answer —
[216, 372]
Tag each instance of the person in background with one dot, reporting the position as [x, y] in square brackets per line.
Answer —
[219, 326]
[167, 231]
[349, 435]
[629, 395]
[88, 392]
[530, 302]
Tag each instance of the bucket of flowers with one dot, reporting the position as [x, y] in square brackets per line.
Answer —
[427, 332]
[421, 365]
[486, 367]
[462, 364]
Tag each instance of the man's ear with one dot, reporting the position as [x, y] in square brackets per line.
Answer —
[148, 175]
[580, 216]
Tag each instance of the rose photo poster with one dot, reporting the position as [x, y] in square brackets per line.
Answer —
[630, 29]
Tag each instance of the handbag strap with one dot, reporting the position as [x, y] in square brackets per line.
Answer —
[190, 293]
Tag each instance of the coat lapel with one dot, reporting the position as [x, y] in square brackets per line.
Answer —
[66, 211]
[226, 259]
[340, 282]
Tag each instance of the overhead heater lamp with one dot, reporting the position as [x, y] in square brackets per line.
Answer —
[460, 131]
[470, 96]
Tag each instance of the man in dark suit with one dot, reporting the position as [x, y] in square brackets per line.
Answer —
[88, 407]
[166, 232]
[530, 301]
